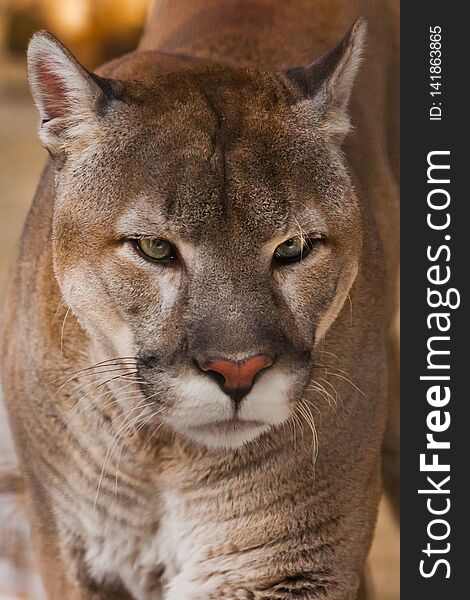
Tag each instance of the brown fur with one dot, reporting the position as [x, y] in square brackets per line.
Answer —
[200, 133]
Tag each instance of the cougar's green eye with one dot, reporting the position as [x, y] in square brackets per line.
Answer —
[296, 248]
[156, 249]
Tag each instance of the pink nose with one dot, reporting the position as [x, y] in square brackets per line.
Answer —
[238, 376]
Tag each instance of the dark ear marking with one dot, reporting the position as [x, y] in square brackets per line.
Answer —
[328, 81]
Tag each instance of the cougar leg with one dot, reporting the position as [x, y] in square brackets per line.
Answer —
[61, 577]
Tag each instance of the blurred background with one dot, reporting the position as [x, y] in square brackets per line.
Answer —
[95, 31]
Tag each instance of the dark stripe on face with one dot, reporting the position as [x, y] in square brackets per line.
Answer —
[219, 148]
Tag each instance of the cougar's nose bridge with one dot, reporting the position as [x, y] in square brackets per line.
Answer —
[232, 333]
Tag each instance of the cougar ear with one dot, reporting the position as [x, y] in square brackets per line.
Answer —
[329, 80]
[69, 98]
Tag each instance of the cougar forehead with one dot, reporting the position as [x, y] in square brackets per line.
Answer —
[207, 149]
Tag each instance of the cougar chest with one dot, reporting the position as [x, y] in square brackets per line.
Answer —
[150, 556]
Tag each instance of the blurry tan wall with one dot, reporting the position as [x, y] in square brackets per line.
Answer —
[95, 30]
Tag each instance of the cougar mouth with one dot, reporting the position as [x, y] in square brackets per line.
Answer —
[229, 434]
[233, 424]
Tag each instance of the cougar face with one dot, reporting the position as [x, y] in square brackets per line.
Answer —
[205, 226]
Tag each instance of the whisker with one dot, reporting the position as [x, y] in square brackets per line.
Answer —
[124, 431]
[62, 331]
[307, 414]
[350, 310]
[337, 395]
[342, 374]
[56, 313]
[139, 428]
[349, 381]
[95, 400]
[75, 377]
[321, 391]
[323, 351]
[312, 420]
[124, 360]
[115, 440]
[160, 425]
[318, 364]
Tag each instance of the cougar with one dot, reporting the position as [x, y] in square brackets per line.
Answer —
[197, 333]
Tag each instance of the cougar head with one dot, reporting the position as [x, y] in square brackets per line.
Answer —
[205, 225]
